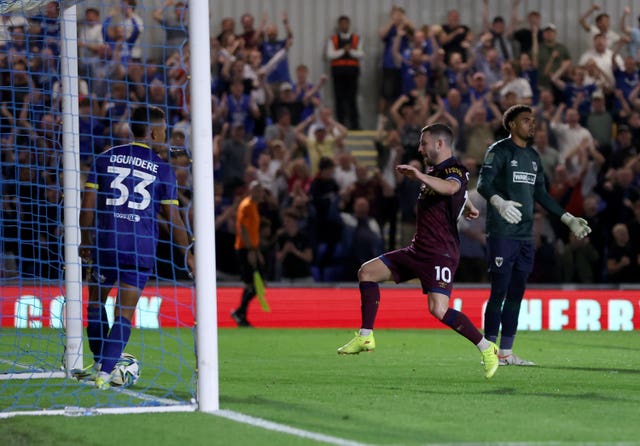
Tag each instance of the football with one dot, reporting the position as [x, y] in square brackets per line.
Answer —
[126, 371]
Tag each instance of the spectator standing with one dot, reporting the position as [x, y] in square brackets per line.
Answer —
[294, 253]
[282, 130]
[325, 200]
[497, 29]
[269, 45]
[391, 73]
[453, 35]
[90, 41]
[601, 25]
[132, 24]
[622, 258]
[626, 77]
[512, 83]
[549, 155]
[173, 18]
[524, 36]
[7, 23]
[234, 157]
[603, 57]
[577, 92]
[320, 144]
[306, 92]
[249, 33]
[363, 237]
[551, 55]
[344, 51]
[570, 133]
[633, 33]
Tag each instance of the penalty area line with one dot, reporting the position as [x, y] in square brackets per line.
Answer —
[277, 427]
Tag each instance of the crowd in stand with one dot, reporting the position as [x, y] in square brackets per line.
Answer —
[326, 211]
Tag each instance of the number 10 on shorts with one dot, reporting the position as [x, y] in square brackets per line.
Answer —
[443, 274]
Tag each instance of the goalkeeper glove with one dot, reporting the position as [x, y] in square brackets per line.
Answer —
[507, 209]
[578, 226]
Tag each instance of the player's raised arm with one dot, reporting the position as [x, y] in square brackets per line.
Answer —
[441, 186]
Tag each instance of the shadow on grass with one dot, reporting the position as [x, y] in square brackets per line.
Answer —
[593, 369]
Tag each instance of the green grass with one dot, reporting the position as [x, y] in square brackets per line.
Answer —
[419, 387]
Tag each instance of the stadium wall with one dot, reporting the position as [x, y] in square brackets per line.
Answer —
[400, 307]
[313, 21]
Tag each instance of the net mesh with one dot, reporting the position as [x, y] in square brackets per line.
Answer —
[129, 54]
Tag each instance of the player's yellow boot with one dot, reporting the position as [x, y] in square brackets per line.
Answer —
[103, 381]
[490, 360]
[358, 344]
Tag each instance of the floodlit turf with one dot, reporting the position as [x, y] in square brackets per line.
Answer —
[418, 387]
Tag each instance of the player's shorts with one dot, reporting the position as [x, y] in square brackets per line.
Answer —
[435, 272]
[505, 255]
[108, 275]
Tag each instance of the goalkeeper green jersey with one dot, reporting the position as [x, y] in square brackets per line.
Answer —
[514, 173]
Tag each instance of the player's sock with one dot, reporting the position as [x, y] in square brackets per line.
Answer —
[370, 299]
[365, 331]
[461, 323]
[506, 342]
[117, 340]
[97, 330]
[483, 344]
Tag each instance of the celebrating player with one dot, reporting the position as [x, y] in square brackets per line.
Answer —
[434, 253]
[128, 187]
[512, 179]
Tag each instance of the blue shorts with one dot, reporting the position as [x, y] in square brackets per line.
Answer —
[129, 274]
[435, 272]
[505, 255]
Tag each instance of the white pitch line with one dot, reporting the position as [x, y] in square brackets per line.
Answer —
[270, 425]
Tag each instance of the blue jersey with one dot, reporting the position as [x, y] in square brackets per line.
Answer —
[131, 183]
[281, 71]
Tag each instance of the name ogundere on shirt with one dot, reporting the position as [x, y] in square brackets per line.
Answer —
[134, 161]
[132, 182]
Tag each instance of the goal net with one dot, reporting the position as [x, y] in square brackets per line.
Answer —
[71, 76]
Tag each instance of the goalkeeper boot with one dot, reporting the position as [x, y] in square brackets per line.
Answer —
[490, 360]
[358, 344]
[507, 357]
[103, 381]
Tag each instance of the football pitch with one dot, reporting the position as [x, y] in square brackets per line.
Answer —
[420, 387]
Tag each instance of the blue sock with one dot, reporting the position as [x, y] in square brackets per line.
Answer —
[115, 343]
[97, 330]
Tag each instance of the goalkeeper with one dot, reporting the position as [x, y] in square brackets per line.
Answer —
[512, 180]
